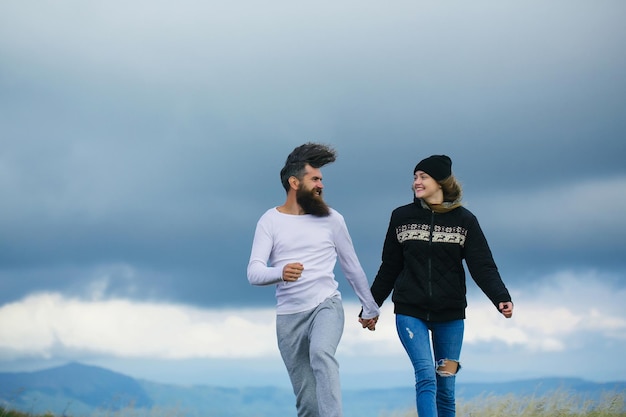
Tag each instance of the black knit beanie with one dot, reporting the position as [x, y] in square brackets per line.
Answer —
[437, 166]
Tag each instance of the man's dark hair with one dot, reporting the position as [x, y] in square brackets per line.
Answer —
[314, 154]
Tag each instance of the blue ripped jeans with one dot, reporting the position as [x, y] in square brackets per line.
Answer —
[434, 391]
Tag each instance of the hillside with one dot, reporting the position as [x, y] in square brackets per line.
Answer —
[83, 388]
[77, 389]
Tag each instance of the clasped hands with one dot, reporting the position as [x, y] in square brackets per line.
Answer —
[370, 324]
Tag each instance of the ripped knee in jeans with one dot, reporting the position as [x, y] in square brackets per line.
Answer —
[447, 367]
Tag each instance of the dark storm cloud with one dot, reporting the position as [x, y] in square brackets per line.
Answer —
[140, 143]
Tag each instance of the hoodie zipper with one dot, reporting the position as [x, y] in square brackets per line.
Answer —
[430, 260]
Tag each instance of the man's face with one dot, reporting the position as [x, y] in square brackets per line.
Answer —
[309, 193]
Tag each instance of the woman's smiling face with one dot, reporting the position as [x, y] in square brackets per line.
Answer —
[427, 188]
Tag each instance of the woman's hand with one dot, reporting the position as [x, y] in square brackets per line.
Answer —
[506, 308]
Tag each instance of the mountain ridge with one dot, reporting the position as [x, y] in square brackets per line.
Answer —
[91, 386]
[78, 389]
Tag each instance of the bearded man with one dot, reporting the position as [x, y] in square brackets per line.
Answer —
[295, 248]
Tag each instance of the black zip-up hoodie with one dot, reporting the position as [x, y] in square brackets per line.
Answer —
[422, 263]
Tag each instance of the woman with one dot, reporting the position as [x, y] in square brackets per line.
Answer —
[423, 251]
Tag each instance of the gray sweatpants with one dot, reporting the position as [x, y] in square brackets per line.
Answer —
[308, 342]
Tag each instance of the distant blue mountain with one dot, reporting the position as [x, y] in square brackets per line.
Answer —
[79, 390]
[87, 387]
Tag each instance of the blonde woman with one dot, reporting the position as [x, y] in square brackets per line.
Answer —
[422, 263]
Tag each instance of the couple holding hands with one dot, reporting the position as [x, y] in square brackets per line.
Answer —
[296, 246]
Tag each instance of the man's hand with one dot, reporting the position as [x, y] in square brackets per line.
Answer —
[506, 308]
[292, 271]
[370, 324]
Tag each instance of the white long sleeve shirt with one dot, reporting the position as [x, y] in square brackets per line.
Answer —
[315, 242]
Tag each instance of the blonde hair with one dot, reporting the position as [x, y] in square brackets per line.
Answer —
[452, 190]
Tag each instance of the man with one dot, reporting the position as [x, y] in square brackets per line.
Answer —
[295, 247]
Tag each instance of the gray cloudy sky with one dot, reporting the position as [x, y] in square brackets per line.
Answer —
[141, 141]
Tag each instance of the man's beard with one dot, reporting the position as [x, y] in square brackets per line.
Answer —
[312, 203]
